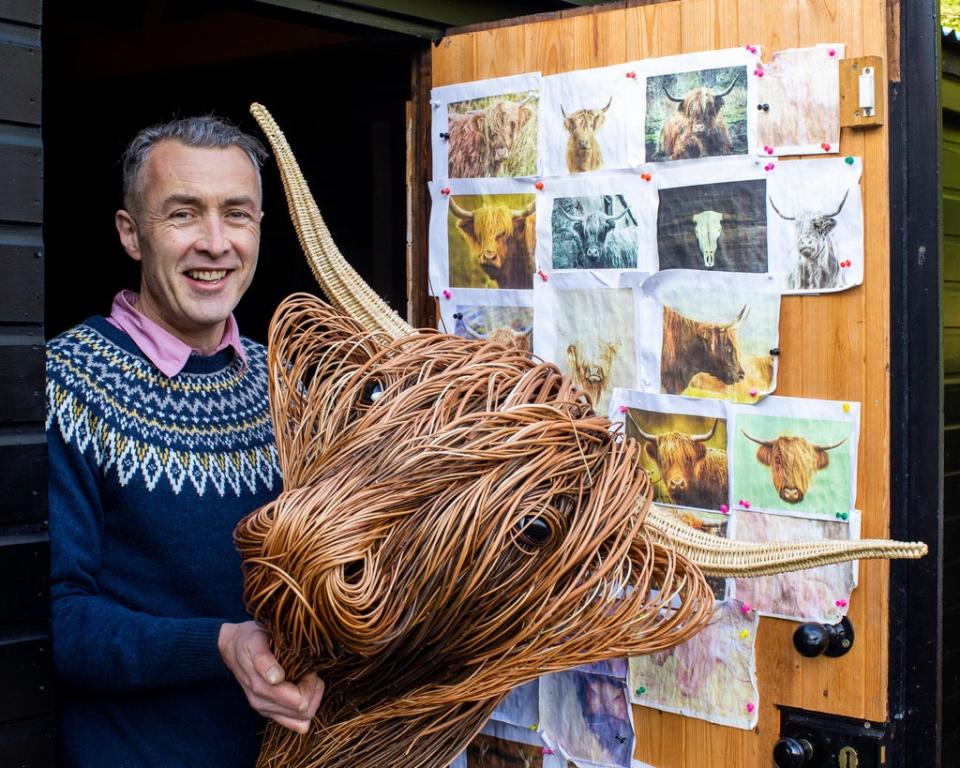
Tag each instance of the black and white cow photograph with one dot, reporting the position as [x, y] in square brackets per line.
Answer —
[816, 225]
[714, 227]
[598, 232]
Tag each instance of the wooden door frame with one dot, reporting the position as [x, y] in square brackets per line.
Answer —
[916, 382]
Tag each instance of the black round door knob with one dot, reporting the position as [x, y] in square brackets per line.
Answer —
[792, 753]
[812, 639]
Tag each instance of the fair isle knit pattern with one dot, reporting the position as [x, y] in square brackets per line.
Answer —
[210, 429]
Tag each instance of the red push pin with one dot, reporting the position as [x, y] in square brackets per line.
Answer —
[539, 185]
[646, 176]
[832, 52]
[753, 392]
[446, 294]
[632, 75]
[543, 275]
[825, 146]
[445, 191]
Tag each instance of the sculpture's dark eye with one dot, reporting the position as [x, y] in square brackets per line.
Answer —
[372, 391]
[534, 531]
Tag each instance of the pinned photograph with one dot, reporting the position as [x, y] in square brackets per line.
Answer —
[711, 677]
[585, 120]
[520, 707]
[816, 594]
[603, 222]
[501, 316]
[702, 113]
[588, 330]
[713, 219]
[487, 128]
[490, 752]
[483, 234]
[587, 718]
[796, 456]
[798, 101]
[815, 224]
[716, 334]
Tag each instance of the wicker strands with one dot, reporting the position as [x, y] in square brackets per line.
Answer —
[456, 521]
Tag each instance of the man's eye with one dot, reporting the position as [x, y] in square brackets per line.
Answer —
[181, 215]
[239, 215]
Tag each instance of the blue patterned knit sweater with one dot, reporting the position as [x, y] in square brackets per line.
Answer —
[148, 477]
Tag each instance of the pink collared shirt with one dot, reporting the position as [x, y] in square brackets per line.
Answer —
[161, 347]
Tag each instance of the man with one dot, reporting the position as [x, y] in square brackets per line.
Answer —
[159, 441]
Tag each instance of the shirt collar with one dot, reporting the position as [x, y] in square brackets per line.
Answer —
[168, 353]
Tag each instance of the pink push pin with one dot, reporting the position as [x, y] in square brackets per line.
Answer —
[768, 149]
[758, 72]
[724, 509]
[542, 275]
[825, 146]
[745, 504]
[753, 392]
[750, 707]
[832, 52]
[446, 294]
[546, 751]
[623, 409]
[769, 166]
[745, 608]
[841, 603]
[632, 75]
[445, 191]
[752, 48]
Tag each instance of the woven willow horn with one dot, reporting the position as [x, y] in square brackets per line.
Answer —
[716, 557]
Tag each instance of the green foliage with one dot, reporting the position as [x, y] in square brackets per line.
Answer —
[950, 13]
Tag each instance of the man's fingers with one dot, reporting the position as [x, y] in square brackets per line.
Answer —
[300, 726]
[314, 693]
[266, 664]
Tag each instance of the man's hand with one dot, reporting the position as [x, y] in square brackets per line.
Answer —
[245, 649]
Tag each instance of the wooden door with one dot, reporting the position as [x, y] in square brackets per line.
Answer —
[834, 347]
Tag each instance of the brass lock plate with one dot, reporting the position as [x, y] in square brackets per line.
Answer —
[838, 742]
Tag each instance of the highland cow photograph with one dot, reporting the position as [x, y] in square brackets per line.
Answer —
[491, 240]
[717, 338]
[493, 136]
[697, 114]
[599, 232]
[719, 227]
[801, 466]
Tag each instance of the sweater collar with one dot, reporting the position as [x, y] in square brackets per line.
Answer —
[168, 353]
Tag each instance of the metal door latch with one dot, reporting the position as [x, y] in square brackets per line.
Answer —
[817, 740]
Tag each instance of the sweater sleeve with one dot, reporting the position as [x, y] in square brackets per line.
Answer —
[99, 644]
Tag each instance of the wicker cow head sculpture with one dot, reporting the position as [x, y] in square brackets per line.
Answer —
[455, 520]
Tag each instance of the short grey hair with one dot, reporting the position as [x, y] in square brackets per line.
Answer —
[206, 131]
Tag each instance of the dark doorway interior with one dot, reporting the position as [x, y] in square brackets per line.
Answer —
[337, 90]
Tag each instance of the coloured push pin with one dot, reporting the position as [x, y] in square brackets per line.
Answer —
[769, 166]
[744, 634]
[750, 707]
[458, 315]
[844, 515]
[534, 726]
[848, 160]
[632, 75]
[646, 176]
[825, 146]
[745, 608]
[763, 107]
[622, 409]
[546, 751]
[445, 190]
[744, 503]
[841, 603]
[753, 393]
[758, 72]
[542, 275]
[446, 294]
[539, 185]
[846, 407]
[724, 509]
[444, 135]
[768, 149]
[751, 48]
[832, 52]
[641, 690]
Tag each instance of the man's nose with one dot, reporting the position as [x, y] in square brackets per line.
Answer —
[213, 239]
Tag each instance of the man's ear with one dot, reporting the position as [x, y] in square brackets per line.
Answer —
[127, 229]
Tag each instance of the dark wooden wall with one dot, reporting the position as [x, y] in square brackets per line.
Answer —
[951, 399]
[26, 705]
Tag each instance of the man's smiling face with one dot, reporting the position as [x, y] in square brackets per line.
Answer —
[196, 234]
